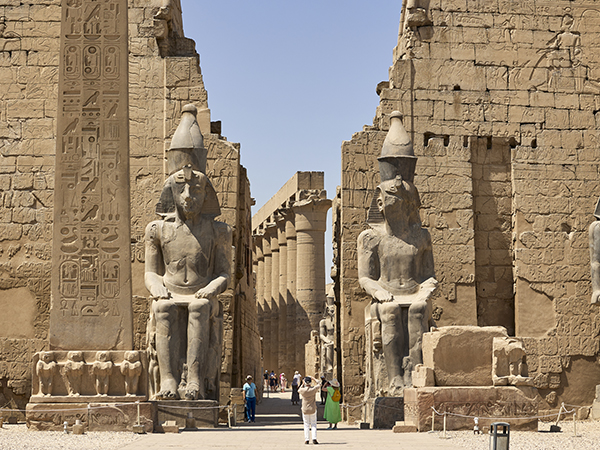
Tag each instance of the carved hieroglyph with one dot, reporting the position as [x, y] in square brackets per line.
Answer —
[91, 274]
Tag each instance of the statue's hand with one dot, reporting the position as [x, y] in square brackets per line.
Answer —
[382, 295]
[596, 296]
[159, 291]
[206, 292]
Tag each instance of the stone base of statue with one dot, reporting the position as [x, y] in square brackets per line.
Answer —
[514, 405]
[93, 416]
[205, 413]
[384, 412]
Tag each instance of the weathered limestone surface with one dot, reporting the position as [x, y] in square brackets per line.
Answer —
[483, 402]
[461, 355]
[164, 75]
[500, 100]
[99, 417]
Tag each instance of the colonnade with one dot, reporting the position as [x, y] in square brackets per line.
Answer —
[289, 263]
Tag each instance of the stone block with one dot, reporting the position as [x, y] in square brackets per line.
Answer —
[423, 376]
[93, 416]
[205, 412]
[384, 412]
[461, 355]
[403, 427]
[517, 406]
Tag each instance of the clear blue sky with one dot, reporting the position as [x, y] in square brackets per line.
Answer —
[290, 80]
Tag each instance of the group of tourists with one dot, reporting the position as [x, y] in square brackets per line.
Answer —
[306, 389]
[274, 383]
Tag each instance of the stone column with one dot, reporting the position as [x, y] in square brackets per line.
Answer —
[283, 326]
[266, 247]
[260, 282]
[272, 227]
[310, 222]
[293, 349]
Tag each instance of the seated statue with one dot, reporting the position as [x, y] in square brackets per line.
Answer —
[395, 263]
[594, 234]
[187, 266]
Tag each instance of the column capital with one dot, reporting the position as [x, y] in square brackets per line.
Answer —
[311, 213]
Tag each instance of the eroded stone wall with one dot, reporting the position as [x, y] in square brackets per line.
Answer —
[164, 75]
[500, 99]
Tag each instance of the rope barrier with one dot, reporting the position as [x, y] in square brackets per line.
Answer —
[501, 418]
[106, 405]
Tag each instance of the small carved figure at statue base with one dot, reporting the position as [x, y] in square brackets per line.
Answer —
[102, 370]
[73, 371]
[508, 363]
[131, 368]
[395, 265]
[45, 369]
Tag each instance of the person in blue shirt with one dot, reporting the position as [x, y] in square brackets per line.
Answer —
[250, 398]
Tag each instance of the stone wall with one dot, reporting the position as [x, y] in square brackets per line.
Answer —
[500, 100]
[164, 75]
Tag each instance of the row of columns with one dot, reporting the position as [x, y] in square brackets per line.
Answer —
[289, 262]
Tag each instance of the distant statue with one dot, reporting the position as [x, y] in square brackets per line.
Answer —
[187, 267]
[395, 263]
[45, 369]
[131, 368]
[327, 338]
[73, 371]
[102, 370]
[595, 254]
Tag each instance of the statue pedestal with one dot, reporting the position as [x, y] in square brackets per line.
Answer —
[205, 412]
[488, 403]
[384, 412]
[98, 417]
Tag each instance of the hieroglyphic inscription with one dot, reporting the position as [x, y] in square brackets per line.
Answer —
[91, 272]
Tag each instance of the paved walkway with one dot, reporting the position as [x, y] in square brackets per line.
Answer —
[279, 426]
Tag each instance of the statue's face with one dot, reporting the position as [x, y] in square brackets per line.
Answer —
[397, 199]
[47, 356]
[102, 356]
[131, 356]
[189, 193]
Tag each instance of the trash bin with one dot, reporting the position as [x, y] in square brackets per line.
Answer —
[499, 435]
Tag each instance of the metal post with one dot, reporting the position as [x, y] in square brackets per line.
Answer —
[444, 433]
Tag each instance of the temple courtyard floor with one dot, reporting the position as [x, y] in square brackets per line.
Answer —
[279, 426]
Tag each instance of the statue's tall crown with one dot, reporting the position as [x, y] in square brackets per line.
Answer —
[187, 145]
[397, 155]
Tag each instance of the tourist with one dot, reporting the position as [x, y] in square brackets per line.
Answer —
[273, 381]
[266, 379]
[308, 392]
[332, 412]
[282, 381]
[324, 384]
[250, 398]
[295, 386]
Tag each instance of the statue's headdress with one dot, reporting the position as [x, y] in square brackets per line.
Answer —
[397, 162]
[397, 155]
[186, 159]
[187, 144]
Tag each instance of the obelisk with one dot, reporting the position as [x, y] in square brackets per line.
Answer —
[91, 272]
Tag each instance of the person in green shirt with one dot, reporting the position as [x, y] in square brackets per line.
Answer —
[332, 413]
